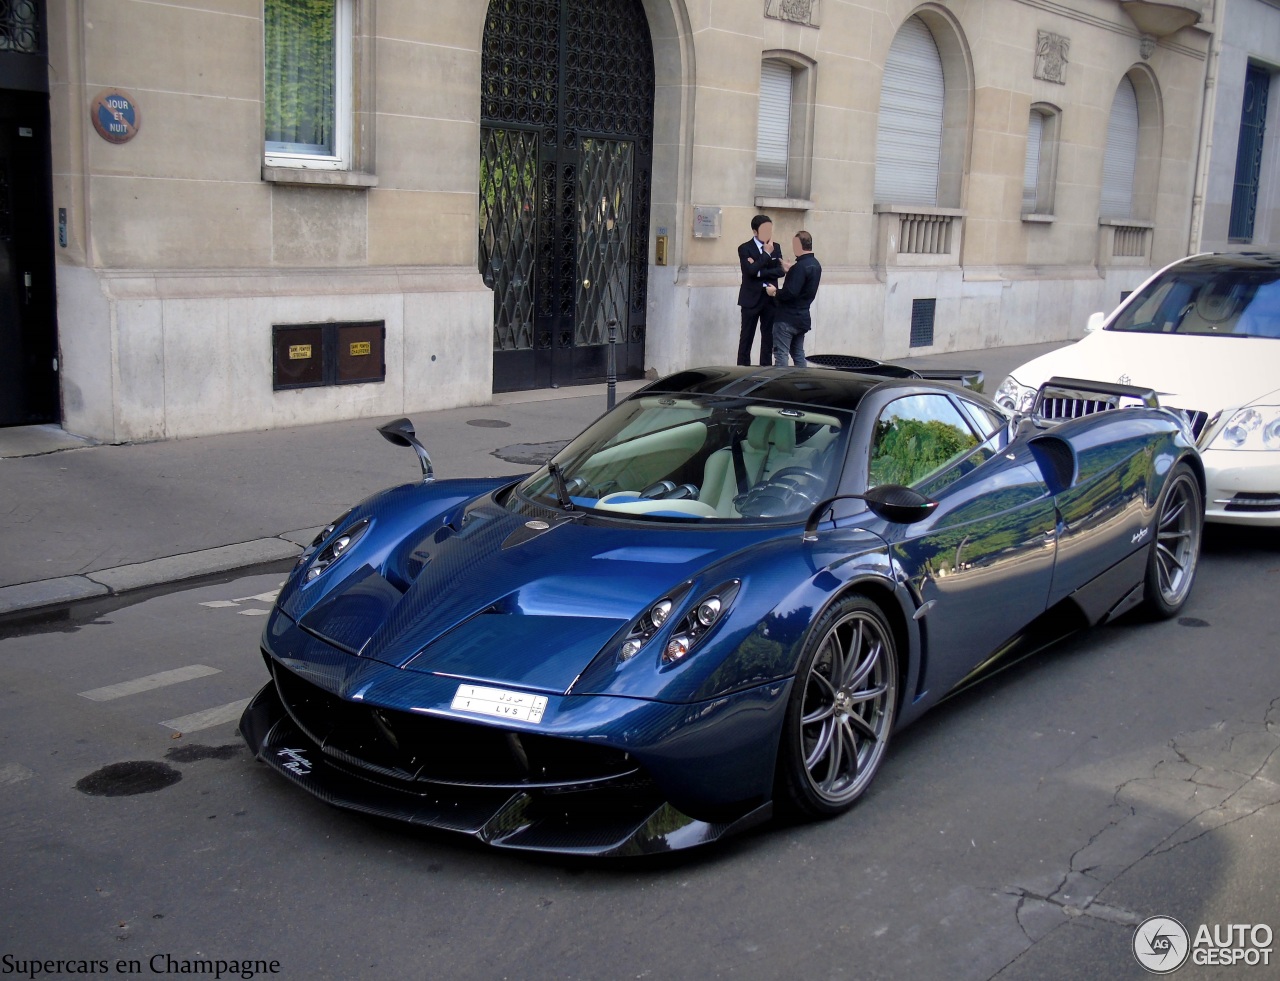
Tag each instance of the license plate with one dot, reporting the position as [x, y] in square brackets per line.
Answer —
[496, 701]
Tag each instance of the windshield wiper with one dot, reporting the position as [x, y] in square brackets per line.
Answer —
[562, 491]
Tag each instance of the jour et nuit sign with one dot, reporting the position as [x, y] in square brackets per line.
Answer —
[115, 115]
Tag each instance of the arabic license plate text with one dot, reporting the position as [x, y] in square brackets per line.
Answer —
[498, 702]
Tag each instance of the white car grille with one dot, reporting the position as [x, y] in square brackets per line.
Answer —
[1058, 409]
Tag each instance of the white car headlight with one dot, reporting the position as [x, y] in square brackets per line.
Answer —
[1256, 427]
[1015, 396]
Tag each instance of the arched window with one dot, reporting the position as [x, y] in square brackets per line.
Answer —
[909, 131]
[1121, 159]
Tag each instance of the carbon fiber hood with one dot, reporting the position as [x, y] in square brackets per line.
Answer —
[501, 602]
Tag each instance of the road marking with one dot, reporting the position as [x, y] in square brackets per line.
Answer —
[149, 682]
[267, 597]
[253, 613]
[220, 604]
[14, 773]
[196, 721]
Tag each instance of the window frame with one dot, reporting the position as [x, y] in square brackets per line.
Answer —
[343, 101]
[1041, 198]
[799, 132]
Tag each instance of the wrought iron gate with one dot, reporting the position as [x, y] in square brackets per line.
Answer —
[565, 156]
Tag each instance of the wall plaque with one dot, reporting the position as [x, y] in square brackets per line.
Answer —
[796, 11]
[1051, 57]
[706, 222]
[115, 115]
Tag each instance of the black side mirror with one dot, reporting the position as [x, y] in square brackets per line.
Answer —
[401, 433]
[893, 502]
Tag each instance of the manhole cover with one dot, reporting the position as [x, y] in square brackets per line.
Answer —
[127, 779]
[533, 454]
[488, 423]
[1192, 622]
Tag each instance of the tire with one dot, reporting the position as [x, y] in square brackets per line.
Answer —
[1175, 552]
[841, 710]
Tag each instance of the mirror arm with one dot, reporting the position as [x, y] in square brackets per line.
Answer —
[821, 508]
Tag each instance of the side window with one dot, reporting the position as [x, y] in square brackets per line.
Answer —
[918, 436]
[987, 422]
[308, 66]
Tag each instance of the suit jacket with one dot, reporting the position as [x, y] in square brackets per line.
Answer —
[757, 270]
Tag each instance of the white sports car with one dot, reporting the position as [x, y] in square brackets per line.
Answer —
[1204, 334]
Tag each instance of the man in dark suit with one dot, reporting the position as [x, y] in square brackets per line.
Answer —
[762, 265]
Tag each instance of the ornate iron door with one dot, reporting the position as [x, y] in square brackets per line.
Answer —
[565, 156]
[1253, 124]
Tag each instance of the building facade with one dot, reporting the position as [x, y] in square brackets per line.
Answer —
[1237, 204]
[276, 212]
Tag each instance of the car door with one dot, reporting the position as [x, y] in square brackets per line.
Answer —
[982, 563]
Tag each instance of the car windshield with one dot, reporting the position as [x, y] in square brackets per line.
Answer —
[1225, 302]
[673, 457]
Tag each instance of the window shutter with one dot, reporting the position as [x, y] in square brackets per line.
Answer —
[773, 140]
[1031, 169]
[1121, 158]
[909, 132]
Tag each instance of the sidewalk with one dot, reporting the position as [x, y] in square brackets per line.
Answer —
[79, 521]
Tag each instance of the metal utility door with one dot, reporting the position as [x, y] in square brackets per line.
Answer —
[565, 157]
[28, 342]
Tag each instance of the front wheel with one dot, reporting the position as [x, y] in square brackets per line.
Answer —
[842, 707]
[1171, 567]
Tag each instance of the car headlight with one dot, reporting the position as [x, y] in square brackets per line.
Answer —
[1015, 396]
[1256, 427]
[328, 547]
[697, 622]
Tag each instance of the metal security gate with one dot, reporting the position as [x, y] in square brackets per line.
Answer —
[1253, 124]
[566, 149]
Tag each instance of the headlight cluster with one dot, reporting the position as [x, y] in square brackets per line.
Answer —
[1256, 427]
[1015, 396]
[318, 558]
[692, 628]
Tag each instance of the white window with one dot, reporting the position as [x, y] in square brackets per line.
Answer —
[308, 57]
[1040, 167]
[1121, 159]
[773, 135]
[909, 131]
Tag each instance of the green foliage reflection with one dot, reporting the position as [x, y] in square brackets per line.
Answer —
[300, 74]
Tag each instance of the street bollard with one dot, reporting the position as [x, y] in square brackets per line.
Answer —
[613, 362]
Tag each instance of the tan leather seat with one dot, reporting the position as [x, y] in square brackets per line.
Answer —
[770, 445]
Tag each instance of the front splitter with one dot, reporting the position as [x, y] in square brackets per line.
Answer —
[603, 822]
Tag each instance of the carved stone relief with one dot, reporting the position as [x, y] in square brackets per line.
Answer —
[796, 11]
[1051, 57]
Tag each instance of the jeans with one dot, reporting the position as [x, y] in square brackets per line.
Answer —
[788, 341]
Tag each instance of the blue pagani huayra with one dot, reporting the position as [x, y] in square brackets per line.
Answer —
[723, 597]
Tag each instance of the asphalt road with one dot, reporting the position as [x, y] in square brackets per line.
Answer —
[1019, 832]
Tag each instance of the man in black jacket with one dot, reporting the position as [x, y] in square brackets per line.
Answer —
[791, 320]
[762, 266]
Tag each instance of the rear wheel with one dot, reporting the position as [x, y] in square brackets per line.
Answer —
[841, 711]
[1171, 567]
